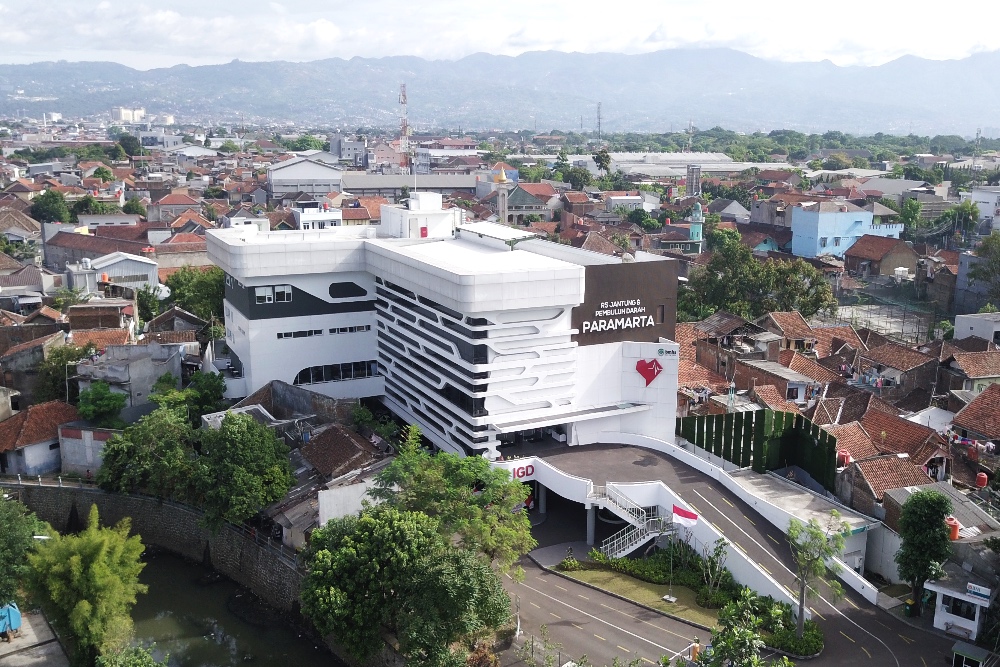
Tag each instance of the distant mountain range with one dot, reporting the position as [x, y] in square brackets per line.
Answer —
[653, 92]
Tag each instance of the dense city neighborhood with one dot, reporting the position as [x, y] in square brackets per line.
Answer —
[498, 397]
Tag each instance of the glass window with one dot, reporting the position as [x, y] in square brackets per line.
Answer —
[836, 240]
[822, 242]
[264, 294]
[283, 293]
[317, 374]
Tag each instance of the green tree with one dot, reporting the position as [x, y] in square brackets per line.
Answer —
[215, 192]
[813, 546]
[577, 177]
[90, 581]
[358, 569]
[17, 528]
[65, 297]
[985, 270]
[909, 214]
[800, 286]
[50, 206]
[116, 153]
[202, 396]
[641, 217]
[156, 455]
[837, 161]
[561, 163]
[130, 145]
[90, 206]
[104, 174]
[101, 406]
[54, 380]
[133, 206]
[602, 159]
[148, 301]
[244, 469]
[925, 546]
[229, 146]
[198, 291]
[132, 656]
[737, 641]
[467, 496]
[988, 308]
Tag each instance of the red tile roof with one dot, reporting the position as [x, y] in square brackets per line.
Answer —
[28, 344]
[185, 237]
[808, 367]
[576, 197]
[891, 472]
[8, 319]
[45, 312]
[37, 424]
[791, 324]
[184, 336]
[901, 436]
[692, 375]
[543, 191]
[99, 338]
[769, 395]
[338, 450]
[685, 334]
[177, 200]
[982, 415]
[897, 356]
[979, 364]
[873, 247]
[854, 439]
[830, 339]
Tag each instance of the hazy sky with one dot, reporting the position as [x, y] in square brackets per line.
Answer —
[147, 35]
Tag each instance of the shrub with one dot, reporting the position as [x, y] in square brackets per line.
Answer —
[569, 564]
[787, 640]
[714, 600]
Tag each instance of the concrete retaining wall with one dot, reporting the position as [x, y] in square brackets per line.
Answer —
[175, 528]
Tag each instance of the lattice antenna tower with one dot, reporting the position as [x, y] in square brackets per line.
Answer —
[404, 123]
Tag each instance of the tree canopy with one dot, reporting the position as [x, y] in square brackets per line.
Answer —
[130, 144]
[198, 291]
[18, 525]
[133, 206]
[104, 174]
[926, 545]
[466, 495]
[50, 206]
[735, 281]
[394, 569]
[101, 406]
[91, 581]
[87, 205]
[813, 545]
[54, 380]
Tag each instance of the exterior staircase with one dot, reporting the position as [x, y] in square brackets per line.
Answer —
[644, 523]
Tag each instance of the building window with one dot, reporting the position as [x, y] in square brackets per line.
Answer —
[306, 333]
[659, 314]
[337, 372]
[283, 293]
[264, 295]
[54, 445]
[836, 240]
[822, 242]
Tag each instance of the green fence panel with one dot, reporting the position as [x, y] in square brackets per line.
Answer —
[689, 428]
[717, 435]
[727, 437]
[709, 433]
[762, 421]
[749, 419]
[738, 419]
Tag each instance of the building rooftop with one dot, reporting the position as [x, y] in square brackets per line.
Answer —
[774, 368]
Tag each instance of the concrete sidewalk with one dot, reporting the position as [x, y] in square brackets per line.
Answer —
[36, 646]
[551, 556]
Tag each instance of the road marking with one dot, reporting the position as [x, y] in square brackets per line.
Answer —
[923, 661]
[533, 604]
[851, 602]
[773, 540]
[601, 638]
[749, 519]
[554, 615]
[726, 500]
[828, 603]
[764, 568]
[606, 606]
[693, 508]
[561, 588]
[906, 639]
[817, 613]
[610, 625]
[623, 648]
[866, 652]
[582, 596]
[848, 636]
[578, 627]
[716, 526]
[649, 661]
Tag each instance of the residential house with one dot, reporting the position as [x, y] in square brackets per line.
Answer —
[120, 268]
[18, 226]
[132, 370]
[983, 325]
[524, 200]
[577, 203]
[729, 210]
[303, 175]
[873, 255]
[20, 363]
[794, 386]
[795, 332]
[81, 447]
[972, 371]
[831, 227]
[169, 207]
[893, 371]
[980, 419]
[176, 318]
[922, 444]
[722, 339]
[862, 484]
[29, 441]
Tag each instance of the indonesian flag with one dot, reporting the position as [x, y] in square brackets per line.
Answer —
[685, 517]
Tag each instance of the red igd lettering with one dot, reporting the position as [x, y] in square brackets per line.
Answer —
[519, 472]
[529, 471]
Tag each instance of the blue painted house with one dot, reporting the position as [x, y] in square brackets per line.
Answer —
[831, 227]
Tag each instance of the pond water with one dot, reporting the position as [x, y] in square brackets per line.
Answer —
[187, 614]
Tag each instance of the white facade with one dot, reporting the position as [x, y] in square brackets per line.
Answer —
[983, 325]
[303, 175]
[987, 200]
[466, 330]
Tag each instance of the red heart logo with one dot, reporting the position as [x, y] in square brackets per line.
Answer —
[648, 369]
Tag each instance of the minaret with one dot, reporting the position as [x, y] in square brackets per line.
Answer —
[696, 220]
[503, 189]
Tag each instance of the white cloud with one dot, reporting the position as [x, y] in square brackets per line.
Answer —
[185, 31]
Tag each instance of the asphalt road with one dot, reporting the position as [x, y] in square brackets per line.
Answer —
[582, 621]
[856, 631]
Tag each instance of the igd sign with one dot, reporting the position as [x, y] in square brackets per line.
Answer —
[522, 472]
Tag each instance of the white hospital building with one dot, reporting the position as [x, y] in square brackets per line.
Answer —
[481, 334]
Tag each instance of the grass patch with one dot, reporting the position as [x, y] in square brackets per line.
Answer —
[896, 590]
[650, 594]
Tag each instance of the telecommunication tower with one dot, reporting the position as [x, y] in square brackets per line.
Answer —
[404, 127]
